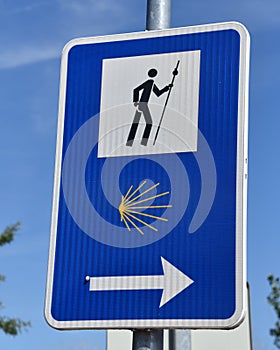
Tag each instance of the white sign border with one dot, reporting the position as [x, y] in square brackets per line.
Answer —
[241, 189]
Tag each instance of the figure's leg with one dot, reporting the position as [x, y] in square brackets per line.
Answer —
[133, 129]
[146, 134]
[149, 124]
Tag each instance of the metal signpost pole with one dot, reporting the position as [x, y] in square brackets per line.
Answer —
[179, 339]
[147, 339]
[158, 17]
[158, 14]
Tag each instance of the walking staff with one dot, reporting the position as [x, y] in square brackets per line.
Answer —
[175, 72]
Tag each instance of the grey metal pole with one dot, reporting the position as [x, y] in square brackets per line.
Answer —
[158, 17]
[147, 340]
[158, 14]
[179, 339]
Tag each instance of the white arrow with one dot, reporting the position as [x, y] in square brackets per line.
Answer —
[173, 281]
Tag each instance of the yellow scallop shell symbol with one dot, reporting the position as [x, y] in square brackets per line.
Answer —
[132, 202]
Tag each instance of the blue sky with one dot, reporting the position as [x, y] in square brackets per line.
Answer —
[33, 34]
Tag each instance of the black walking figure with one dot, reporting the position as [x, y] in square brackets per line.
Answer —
[142, 107]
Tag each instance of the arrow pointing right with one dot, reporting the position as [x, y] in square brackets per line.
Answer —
[172, 282]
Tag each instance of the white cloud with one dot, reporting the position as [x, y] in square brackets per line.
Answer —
[262, 13]
[92, 7]
[68, 19]
[29, 7]
[42, 123]
[257, 15]
[14, 57]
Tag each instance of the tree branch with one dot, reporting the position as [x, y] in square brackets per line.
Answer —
[274, 300]
[9, 233]
[13, 326]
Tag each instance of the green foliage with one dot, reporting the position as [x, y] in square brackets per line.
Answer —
[274, 300]
[2, 278]
[12, 326]
[9, 233]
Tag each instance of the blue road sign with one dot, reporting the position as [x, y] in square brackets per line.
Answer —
[149, 209]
